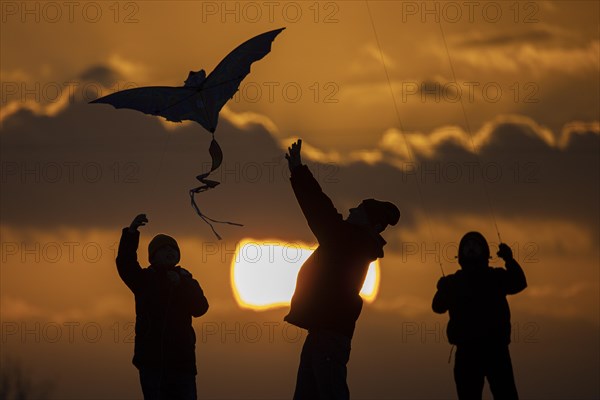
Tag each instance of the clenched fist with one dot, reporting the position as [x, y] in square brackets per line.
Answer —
[138, 221]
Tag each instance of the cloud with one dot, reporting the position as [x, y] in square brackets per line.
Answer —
[504, 38]
[125, 148]
[523, 55]
[47, 98]
[244, 120]
[564, 293]
[407, 306]
[105, 307]
[104, 75]
[411, 146]
[15, 309]
[368, 60]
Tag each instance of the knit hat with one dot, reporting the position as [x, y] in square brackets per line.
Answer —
[475, 237]
[381, 212]
[161, 240]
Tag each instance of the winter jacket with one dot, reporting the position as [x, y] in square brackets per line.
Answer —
[164, 336]
[476, 301]
[329, 282]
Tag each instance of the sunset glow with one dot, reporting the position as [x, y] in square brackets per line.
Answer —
[466, 115]
[263, 273]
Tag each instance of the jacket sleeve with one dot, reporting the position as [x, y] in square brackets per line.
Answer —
[318, 209]
[440, 299]
[128, 267]
[194, 297]
[514, 278]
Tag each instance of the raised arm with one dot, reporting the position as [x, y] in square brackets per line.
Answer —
[128, 266]
[514, 281]
[318, 209]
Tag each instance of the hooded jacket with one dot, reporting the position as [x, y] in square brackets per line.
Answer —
[164, 336]
[476, 301]
[329, 282]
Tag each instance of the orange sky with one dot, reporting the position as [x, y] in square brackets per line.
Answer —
[74, 174]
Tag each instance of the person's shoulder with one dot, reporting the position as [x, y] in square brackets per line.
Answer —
[183, 272]
[457, 275]
[148, 270]
[451, 279]
[496, 271]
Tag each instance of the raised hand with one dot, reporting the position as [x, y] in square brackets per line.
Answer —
[293, 155]
[504, 252]
[138, 221]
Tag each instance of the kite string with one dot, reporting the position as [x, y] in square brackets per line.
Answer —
[468, 126]
[408, 148]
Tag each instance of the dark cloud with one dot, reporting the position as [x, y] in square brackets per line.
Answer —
[522, 174]
[538, 36]
[94, 166]
[436, 89]
[101, 74]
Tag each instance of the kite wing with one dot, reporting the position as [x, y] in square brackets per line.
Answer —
[173, 103]
[201, 98]
[225, 79]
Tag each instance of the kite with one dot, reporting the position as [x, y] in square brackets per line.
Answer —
[200, 99]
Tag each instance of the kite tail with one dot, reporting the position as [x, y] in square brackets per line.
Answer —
[205, 218]
[217, 157]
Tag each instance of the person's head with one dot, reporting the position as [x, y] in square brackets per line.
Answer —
[473, 251]
[163, 251]
[374, 214]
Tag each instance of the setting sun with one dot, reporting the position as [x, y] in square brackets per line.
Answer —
[263, 273]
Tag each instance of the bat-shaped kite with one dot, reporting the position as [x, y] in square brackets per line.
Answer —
[200, 99]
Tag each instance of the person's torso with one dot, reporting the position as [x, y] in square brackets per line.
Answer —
[478, 308]
[163, 329]
[329, 282]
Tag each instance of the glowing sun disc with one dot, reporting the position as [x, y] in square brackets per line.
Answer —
[263, 273]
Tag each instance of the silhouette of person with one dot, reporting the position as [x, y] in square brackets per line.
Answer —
[479, 324]
[326, 300]
[166, 299]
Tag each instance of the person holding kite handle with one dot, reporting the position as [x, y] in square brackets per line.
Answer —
[479, 325]
[166, 299]
[326, 300]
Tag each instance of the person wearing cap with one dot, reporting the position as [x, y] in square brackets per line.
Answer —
[166, 299]
[479, 325]
[326, 300]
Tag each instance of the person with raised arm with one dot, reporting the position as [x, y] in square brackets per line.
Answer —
[326, 300]
[479, 326]
[166, 299]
